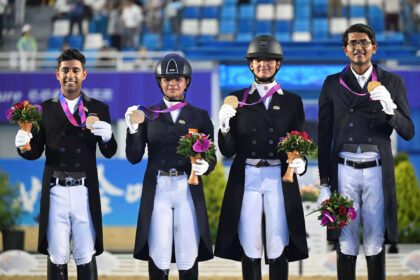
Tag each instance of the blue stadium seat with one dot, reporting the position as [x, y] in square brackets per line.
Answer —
[227, 26]
[169, 42]
[246, 12]
[187, 41]
[75, 41]
[228, 12]
[151, 41]
[283, 37]
[167, 27]
[320, 29]
[191, 12]
[210, 12]
[376, 18]
[283, 26]
[303, 11]
[244, 37]
[263, 26]
[301, 25]
[357, 11]
[263, 1]
[245, 26]
[55, 42]
[320, 8]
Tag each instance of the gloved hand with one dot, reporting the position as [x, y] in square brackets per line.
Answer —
[226, 112]
[131, 126]
[103, 129]
[298, 164]
[324, 194]
[381, 94]
[200, 167]
[22, 137]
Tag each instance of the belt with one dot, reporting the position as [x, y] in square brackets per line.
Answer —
[261, 163]
[68, 182]
[360, 164]
[172, 173]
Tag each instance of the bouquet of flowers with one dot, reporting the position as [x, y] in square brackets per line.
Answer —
[336, 212]
[26, 115]
[296, 144]
[195, 146]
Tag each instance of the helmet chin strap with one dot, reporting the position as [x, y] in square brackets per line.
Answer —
[184, 95]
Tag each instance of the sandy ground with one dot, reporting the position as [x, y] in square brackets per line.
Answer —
[212, 278]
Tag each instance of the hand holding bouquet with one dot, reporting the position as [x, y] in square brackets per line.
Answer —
[196, 146]
[26, 115]
[336, 212]
[296, 144]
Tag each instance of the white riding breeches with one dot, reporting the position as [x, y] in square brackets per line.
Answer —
[364, 187]
[173, 219]
[70, 219]
[263, 194]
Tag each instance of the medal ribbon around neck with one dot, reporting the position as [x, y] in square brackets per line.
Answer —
[69, 115]
[272, 90]
[374, 78]
[153, 114]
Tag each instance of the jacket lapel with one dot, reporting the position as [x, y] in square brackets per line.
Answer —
[260, 107]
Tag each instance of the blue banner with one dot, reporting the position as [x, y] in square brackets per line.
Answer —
[118, 89]
[120, 186]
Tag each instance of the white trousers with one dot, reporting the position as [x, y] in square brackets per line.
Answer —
[364, 187]
[70, 219]
[263, 194]
[173, 219]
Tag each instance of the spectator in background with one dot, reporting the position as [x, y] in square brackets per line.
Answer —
[335, 8]
[172, 13]
[132, 18]
[62, 9]
[3, 5]
[154, 15]
[19, 8]
[76, 15]
[27, 48]
[115, 26]
[99, 13]
[392, 15]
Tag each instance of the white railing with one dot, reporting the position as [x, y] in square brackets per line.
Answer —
[102, 60]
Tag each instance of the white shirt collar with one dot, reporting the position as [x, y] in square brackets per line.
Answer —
[72, 103]
[170, 103]
[255, 86]
[366, 74]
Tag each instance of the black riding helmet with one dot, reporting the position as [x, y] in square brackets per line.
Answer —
[264, 46]
[172, 66]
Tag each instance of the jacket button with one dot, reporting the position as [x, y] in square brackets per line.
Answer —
[62, 164]
[351, 139]
[369, 139]
[254, 142]
[253, 153]
[351, 110]
[351, 124]
[270, 142]
[254, 129]
[373, 111]
[78, 150]
[162, 161]
[271, 129]
[271, 154]
[371, 125]
[62, 149]
[76, 164]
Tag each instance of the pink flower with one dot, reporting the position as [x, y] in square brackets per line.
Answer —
[38, 108]
[305, 135]
[9, 113]
[294, 132]
[201, 145]
[328, 218]
[352, 213]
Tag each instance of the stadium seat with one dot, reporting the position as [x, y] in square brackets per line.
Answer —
[210, 12]
[265, 12]
[209, 27]
[228, 12]
[55, 42]
[283, 26]
[151, 41]
[246, 12]
[338, 25]
[190, 27]
[263, 26]
[75, 41]
[191, 12]
[93, 41]
[284, 12]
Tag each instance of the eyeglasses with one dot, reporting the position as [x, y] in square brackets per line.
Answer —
[361, 43]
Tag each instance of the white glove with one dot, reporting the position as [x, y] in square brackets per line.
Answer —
[226, 112]
[22, 137]
[324, 194]
[200, 167]
[103, 129]
[131, 126]
[298, 164]
[381, 94]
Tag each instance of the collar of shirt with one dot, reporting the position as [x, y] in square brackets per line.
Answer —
[362, 79]
[72, 104]
[175, 113]
[263, 88]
